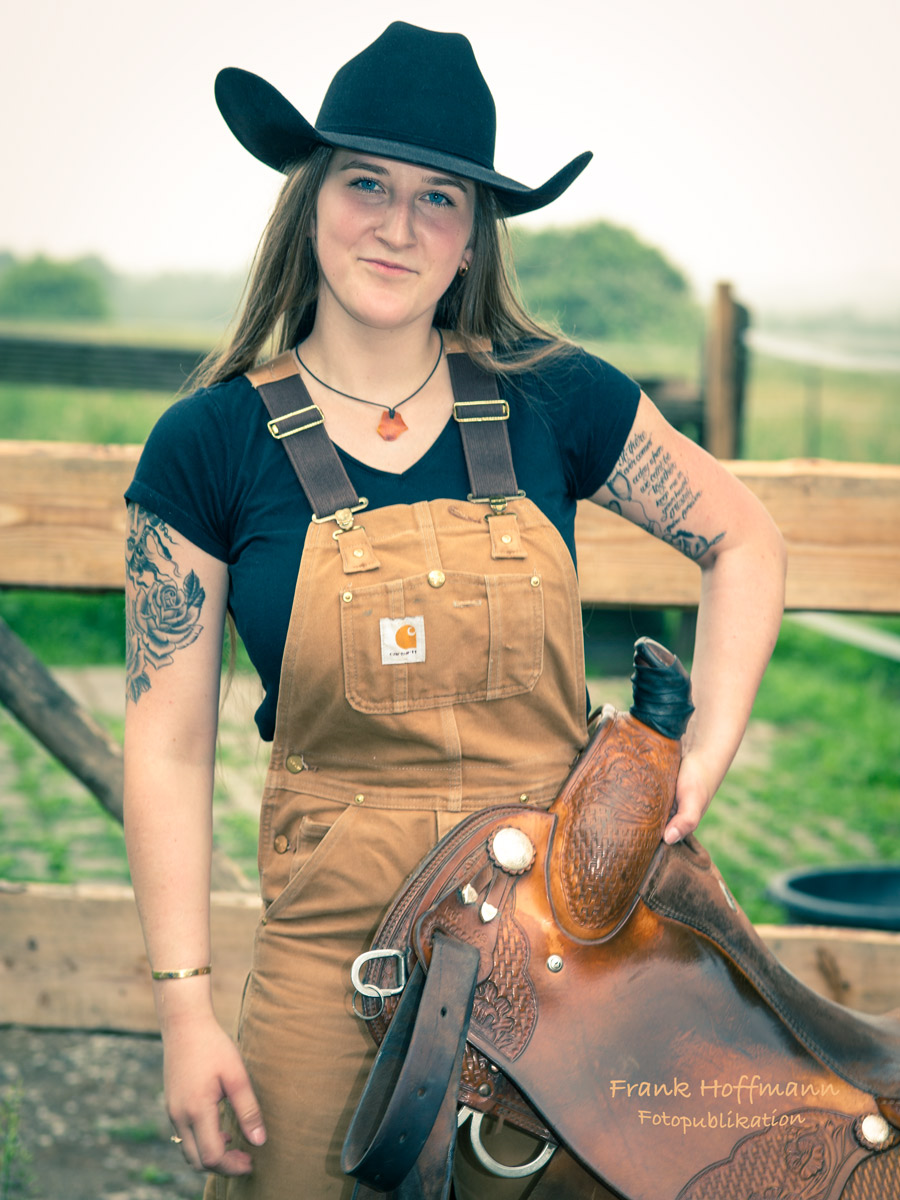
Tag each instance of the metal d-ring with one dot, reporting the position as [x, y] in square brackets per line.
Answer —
[488, 1161]
[370, 990]
[368, 1016]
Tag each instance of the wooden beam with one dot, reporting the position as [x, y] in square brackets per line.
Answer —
[59, 723]
[62, 516]
[839, 520]
[72, 957]
[62, 525]
[70, 734]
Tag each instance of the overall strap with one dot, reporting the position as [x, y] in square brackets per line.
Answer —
[482, 416]
[299, 425]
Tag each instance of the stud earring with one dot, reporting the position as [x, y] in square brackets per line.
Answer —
[463, 270]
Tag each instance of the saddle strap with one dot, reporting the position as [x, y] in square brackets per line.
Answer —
[401, 1138]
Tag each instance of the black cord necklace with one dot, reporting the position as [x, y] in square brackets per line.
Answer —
[390, 426]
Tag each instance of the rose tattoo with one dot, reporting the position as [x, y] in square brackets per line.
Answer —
[162, 613]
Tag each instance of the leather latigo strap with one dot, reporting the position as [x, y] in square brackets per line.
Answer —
[623, 999]
[406, 1119]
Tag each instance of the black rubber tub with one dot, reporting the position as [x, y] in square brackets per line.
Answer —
[864, 896]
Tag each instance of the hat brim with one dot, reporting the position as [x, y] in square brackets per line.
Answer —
[268, 125]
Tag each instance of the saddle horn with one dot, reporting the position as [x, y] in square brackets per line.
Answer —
[614, 806]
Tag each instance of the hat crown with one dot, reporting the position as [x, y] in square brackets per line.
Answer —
[418, 87]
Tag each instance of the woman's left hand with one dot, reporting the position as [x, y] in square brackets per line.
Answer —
[693, 793]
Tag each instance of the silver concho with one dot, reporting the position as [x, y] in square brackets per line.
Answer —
[511, 850]
[873, 1132]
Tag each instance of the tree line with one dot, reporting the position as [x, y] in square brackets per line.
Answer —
[594, 282]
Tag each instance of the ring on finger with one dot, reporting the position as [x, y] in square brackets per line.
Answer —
[176, 1139]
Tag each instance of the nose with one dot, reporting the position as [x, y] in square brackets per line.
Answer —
[397, 225]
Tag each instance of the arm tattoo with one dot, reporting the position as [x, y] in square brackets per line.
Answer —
[161, 613]
[647, 480]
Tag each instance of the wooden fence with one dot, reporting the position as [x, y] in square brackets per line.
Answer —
[73, 956]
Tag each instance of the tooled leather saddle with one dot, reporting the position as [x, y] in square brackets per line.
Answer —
[567, 972]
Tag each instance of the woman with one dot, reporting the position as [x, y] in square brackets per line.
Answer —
[421, 658]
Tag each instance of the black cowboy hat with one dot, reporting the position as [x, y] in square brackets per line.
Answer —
[414, 95]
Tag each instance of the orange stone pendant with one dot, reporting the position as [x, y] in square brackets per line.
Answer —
[390, 427]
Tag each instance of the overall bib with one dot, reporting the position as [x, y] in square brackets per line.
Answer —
[433, 666]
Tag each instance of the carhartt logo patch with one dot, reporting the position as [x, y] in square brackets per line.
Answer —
[402, 640]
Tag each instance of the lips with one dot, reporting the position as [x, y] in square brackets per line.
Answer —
[389, 268]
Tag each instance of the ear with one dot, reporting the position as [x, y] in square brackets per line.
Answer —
[467, 257]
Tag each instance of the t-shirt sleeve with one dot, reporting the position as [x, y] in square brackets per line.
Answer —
[600, 404]
[183, 472]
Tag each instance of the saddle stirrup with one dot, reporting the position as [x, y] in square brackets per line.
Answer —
[487, 1159]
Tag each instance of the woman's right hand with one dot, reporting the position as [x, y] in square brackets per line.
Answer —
[203, 1067]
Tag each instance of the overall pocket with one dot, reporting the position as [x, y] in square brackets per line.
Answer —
[438, 639]
[300, 829]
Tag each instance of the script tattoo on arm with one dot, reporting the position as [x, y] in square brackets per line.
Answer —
[649, 488]
[162, 610]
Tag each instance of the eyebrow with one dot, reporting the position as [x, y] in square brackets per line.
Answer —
[357, 164]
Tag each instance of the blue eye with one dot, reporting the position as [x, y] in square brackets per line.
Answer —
[366, 184]
[439, 199]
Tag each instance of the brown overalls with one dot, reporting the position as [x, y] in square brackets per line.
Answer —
[433, 666]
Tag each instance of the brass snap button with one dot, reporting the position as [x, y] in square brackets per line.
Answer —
[347, 597]
[436, 579]
[359, 798]
[535, 581]
[506, 538]
[358, 552]
[281, 844]
[523, 799]
[295, 763]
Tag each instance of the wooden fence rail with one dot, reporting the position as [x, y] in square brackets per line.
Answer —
[62, 525]
[72, 957]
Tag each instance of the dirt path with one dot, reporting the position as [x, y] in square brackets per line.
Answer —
[91, 1117]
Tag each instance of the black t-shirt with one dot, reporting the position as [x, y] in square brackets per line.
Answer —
[213, 473]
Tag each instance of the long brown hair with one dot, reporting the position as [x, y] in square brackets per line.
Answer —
[279, 303]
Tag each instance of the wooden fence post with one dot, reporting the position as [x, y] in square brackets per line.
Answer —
[72, 735]
[725, 374]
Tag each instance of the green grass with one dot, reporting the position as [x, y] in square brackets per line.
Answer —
[800, 411]
[16, 1178]
[68, 628]
[828, 792]
[65, 414]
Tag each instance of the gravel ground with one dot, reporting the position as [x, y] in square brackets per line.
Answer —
[92, 1125]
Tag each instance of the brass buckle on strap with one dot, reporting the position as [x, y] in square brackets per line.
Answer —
[503, 415]
[279, 435]
[343, 516]
[498, 503]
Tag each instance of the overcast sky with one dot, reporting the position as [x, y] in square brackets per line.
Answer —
[752, 141]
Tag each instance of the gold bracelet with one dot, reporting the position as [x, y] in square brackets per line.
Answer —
[181, 974]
